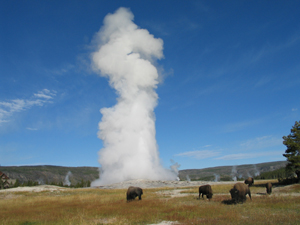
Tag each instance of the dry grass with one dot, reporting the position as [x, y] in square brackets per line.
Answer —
[96, 206]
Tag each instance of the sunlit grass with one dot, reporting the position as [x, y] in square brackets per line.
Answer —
[98, 206]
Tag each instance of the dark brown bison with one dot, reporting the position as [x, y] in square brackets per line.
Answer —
[205, 190]
[133, 192]
[249, 181]
[239, 192]
[269, 188]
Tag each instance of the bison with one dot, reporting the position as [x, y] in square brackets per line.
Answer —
[239, 192]
[269, 188]
[205, 190]
[133, 192]
[249, 181]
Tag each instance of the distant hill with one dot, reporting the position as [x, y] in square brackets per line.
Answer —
[48, 174]
[227, 173]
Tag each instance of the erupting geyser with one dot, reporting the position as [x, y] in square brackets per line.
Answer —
[125, 56]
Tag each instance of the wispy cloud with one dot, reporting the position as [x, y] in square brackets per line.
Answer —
[249, 155]
[261, 142]
[61, 71]
[232, 127]
[11, 153]
[33, 129]
[252, 146]
[262, 81]
[8, 108]
[45, 94]
[255, 55]
[199, 154]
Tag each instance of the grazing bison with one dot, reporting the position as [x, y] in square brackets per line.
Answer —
[205, 190]
[249, 181]
[239, 192]
[269, 188]
[132, 192]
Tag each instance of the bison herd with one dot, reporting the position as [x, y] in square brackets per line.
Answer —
[238, 192]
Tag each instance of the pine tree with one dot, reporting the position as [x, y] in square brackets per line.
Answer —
[292, 153]
[1, 183]
[88, 183]
[17, 183]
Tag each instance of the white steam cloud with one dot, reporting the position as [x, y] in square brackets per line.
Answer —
[188, 178]
[256, 171]
[234, 173]
[217, 177]
[125, 56]
[67, 181]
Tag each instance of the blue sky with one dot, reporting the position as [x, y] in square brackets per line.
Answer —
[229, 88]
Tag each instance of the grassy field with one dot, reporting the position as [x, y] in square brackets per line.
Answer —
[97, 206]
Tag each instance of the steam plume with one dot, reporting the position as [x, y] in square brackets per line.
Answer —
[188, 178]
[256, 171]
[234, 173]
[248, 174]
[125, 56]
[175, 167]
[217, 177]
[67, 179]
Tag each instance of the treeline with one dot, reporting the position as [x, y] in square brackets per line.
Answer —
[31, 183]
[281, 173]
[284, 176]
